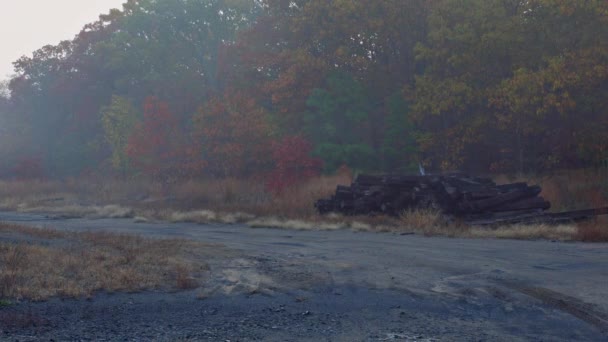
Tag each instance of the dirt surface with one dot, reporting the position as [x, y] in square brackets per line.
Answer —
[280, 285]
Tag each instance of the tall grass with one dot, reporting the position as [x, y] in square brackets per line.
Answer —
[570, 189]
[217, 195]
[39, 264]
[593, 231]
[248, 201]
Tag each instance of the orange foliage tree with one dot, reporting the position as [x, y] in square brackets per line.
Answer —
[234, 135]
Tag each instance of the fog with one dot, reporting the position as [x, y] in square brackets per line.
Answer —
[27, 25]
[284, 92]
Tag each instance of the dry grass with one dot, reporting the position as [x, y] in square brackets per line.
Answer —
[247, 201]
[298, 201]
[593, 231]
[225, 200]
[570, 189]
[41, 233]
[39, 264]
[205, 216]
[527, 232]
[422, 219]
[273, 222]
[431, 223]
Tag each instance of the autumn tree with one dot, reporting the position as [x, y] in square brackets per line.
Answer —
[471, 46]
[164, 48]
[293, 163]
[234, 134]
[291, 51]
[553, 104]
[475, 85]
[158, 147]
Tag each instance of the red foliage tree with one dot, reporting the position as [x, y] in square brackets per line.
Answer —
[159, 147]
[293, 163]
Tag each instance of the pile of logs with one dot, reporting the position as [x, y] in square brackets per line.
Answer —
[472, 200]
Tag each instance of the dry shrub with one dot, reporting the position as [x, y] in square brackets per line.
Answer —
[198, 216]
[297, 201]
[574, 189]
[219, 194]
[527, 232]
[79, 264]
[273, 222]
[184, 279]
[189, 200]
[569, 189]
[43, 233]
[13, 259]
[555, 192]
[429, 222]
[593, 231]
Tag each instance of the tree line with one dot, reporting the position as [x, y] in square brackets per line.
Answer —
[288, 88]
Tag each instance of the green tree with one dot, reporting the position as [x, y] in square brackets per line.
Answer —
[339, 122]
[119, 120]
[399, 147]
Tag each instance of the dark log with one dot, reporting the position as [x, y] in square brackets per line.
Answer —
[511, 187]
[526, 203]
[486, 204]
[532, 216]
[368, 180]
[481, 194]
[578, 215]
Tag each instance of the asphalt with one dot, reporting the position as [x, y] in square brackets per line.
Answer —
[287, 285]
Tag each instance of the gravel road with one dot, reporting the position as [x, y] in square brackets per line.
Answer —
[282, 285]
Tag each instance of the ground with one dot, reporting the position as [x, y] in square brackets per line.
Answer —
[285, 285]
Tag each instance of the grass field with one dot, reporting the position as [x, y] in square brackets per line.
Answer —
[41, 263]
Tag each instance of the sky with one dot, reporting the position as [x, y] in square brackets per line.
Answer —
[27, 25]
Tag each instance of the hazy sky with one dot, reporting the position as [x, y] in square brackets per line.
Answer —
[26, 25]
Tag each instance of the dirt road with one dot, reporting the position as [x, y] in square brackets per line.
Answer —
[282, 285]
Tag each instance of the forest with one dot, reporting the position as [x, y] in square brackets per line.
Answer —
[283, 90]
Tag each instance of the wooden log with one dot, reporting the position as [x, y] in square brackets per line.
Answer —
[343, 193]
[486, 204]
[524, 204]
[481, 194]
[484, 181]
[578, 215]
[368, 180]
[533, 216]
[404, 180]
[325, 206]
[512, 187]
[477, 200]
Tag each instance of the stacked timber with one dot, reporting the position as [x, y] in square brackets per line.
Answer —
[473, 200]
